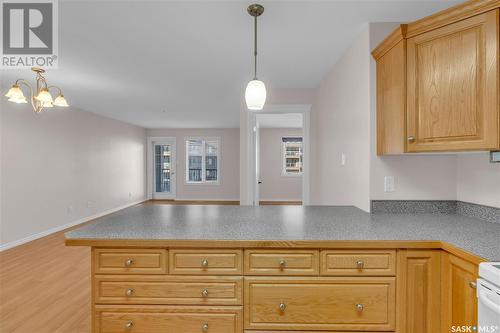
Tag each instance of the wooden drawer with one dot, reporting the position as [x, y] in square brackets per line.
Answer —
[167, 319]
[205, 262]
[281, 262]
[164, 289]
[358, 262]
[356, 303]
[130, 261]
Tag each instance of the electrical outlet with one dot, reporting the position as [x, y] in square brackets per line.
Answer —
[389, 184]
[69, 209]
[89, 204]
[130, 194]
[342, 159]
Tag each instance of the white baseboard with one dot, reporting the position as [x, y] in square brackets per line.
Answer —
[204, 199]
[44, 233]
[280, 199]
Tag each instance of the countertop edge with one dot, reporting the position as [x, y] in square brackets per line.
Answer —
[323, 244]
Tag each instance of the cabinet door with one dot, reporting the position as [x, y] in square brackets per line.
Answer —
[459, 302]
[452, 87]
[419, 273]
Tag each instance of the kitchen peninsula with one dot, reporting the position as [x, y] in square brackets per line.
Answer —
[162, 268]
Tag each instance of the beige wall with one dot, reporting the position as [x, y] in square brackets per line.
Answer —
[228, 187]
[340, 123]
[63, 166]
[478, 181]
[275, 186]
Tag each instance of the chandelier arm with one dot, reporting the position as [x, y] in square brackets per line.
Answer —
[58, 89]
[32, 96]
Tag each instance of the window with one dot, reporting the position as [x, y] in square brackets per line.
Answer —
[292, 156]
[202, 160]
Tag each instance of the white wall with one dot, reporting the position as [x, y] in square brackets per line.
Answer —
[276, 186]
[340, 123]
[229, 183]
[478, 181]
[417, 177]
[64, 165]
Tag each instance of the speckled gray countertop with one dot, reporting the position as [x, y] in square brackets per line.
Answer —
[171, 222]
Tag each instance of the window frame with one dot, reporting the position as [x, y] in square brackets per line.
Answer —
[284, 173]
[203, 160]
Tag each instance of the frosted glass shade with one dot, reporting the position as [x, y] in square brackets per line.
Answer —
[15, 92]
[61, 101]
[44, 96]
[255, 95]
[18, 99]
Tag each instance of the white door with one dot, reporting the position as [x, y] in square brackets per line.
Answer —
[164, 169]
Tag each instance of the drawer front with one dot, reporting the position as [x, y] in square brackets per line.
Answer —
[281, 262]
[358, 262]
[146, 289]
[130, 261]
[167, 320]
[357, 303]
[205, 262]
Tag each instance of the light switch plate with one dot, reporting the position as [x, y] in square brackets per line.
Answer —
[342, 159]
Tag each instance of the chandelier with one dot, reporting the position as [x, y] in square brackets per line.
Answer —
[255, 93]
[41, 97]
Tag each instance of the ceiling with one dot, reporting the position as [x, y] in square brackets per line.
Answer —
[186, 63]
[279, 120]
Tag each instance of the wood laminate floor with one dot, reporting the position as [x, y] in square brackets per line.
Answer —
[45, 287]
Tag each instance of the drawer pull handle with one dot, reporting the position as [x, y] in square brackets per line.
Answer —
[411, 139]
[204, 293]
[282, 264]
[204, 263]
[205, 327]
[129, 325]
[473, 285]
[360, 264]
[360, 307]
[129, 292]
[282, 306]
[129, 262]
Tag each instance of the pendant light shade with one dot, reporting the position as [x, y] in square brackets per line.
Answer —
[255, 95]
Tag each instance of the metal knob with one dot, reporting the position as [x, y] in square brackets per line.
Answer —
[282, 264]
[129, 325]
[204, 293]
[282, 306]
[411, 138]
[204, 263]
[360, 264]
[473, 285]
[360, 307]
[129, 262]
[129, 292]
[205, 327]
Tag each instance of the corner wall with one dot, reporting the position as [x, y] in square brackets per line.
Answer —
[340, 123]
[63, 166]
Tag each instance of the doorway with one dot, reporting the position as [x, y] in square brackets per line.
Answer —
[279, 158]
[162, 157]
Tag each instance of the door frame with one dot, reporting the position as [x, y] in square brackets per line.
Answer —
[251, 128]
[151, 140]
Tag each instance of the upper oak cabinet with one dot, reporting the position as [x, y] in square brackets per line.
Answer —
[437, 86]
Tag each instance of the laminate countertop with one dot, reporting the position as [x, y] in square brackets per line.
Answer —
[157, 222]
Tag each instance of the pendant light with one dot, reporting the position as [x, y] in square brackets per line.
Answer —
[255, 93]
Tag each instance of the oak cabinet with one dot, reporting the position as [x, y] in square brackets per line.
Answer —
[419, 274]
[458, 292]
[452, 81]
[437, 84]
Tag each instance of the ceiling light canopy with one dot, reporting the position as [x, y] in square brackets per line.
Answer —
[255, 93]
[41, 97]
